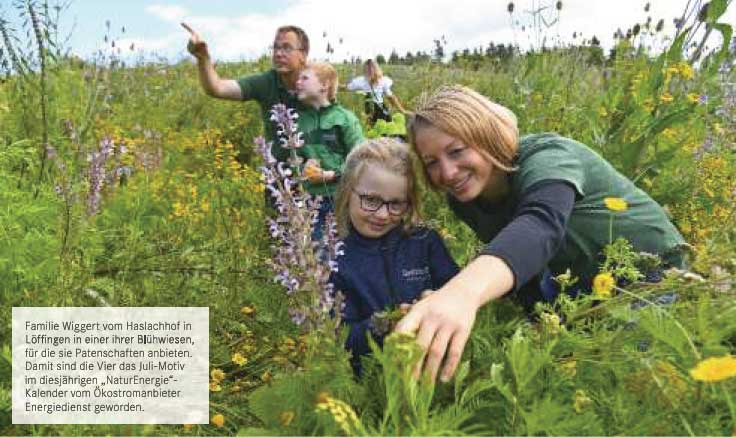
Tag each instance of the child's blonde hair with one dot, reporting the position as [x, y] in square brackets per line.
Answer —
[386, 153]
[470, 117]
[373, 72]
[327, 75]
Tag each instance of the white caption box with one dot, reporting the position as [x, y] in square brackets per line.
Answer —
[88, 365]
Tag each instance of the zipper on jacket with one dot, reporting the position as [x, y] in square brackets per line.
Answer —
[387, 271]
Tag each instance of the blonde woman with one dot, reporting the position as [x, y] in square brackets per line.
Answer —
[537, 202]
[377, 89]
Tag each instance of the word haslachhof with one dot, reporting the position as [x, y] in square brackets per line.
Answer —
[110, 365]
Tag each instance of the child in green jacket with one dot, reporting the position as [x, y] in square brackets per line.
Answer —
[330, 132]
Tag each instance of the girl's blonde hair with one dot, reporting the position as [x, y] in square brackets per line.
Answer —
[372, 71]
[327, 75]
[388, 154]
[473, 119]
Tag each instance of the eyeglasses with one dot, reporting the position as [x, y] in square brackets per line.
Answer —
[371, 203]
[286, 48]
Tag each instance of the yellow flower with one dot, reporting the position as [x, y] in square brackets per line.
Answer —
[286, 417]
[266, 376]
[603, 285]
[188, 426]
[693, 98]
[666, 97]
[569, 367]
[602, 111]
[672, 71]
[341, 412]
[581, 401]
[551, 323]
[215, 386]
[323, 397]
[686, 71]
[247, 310]
[179, 209]
[648, 104]
[312, 172]
[715, 369]
[615, 204]
[239, 359]
[218, 420]
[669, 133]
[217, 375]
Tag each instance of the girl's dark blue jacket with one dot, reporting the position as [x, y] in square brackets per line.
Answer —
[375, 273]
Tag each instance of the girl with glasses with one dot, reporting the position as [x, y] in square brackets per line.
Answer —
[388, 259]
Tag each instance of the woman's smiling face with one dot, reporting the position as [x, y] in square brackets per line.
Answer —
[454, 167]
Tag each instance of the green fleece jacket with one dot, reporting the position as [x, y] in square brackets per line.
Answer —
[330, 133]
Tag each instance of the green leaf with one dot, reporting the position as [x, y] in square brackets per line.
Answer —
[716, 8]
[726, 32]
[674, 53]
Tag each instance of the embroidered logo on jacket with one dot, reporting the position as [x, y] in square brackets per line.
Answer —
[418, 274]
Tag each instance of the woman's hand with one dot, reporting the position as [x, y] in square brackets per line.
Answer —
[196, 45]
[443, 320]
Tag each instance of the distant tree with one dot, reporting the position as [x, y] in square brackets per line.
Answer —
[439, 51]
[393, 58]
[380, 59]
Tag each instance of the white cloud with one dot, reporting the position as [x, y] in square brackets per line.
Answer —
[168, 12]
[378, 27]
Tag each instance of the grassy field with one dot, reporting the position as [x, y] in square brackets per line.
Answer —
[177, 219]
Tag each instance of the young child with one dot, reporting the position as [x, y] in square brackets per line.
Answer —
[388, 259]
[330, 132]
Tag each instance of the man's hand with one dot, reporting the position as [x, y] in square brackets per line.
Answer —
[196, 46]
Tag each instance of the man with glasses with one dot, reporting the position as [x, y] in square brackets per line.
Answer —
[277, 85]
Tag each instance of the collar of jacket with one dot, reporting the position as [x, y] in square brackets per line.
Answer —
[390, 239]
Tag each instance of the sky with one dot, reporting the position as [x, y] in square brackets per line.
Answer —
[237, 30]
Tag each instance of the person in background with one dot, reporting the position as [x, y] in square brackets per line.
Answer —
[277, 85]
[377, 89]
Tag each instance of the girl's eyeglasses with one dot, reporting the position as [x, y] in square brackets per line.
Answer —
[371, 203]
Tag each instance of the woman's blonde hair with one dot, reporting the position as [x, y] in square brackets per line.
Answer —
[327, 75]
[470, 117]
[373, 71]
[388, 154]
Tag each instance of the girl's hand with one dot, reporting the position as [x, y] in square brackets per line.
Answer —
[196, 45]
